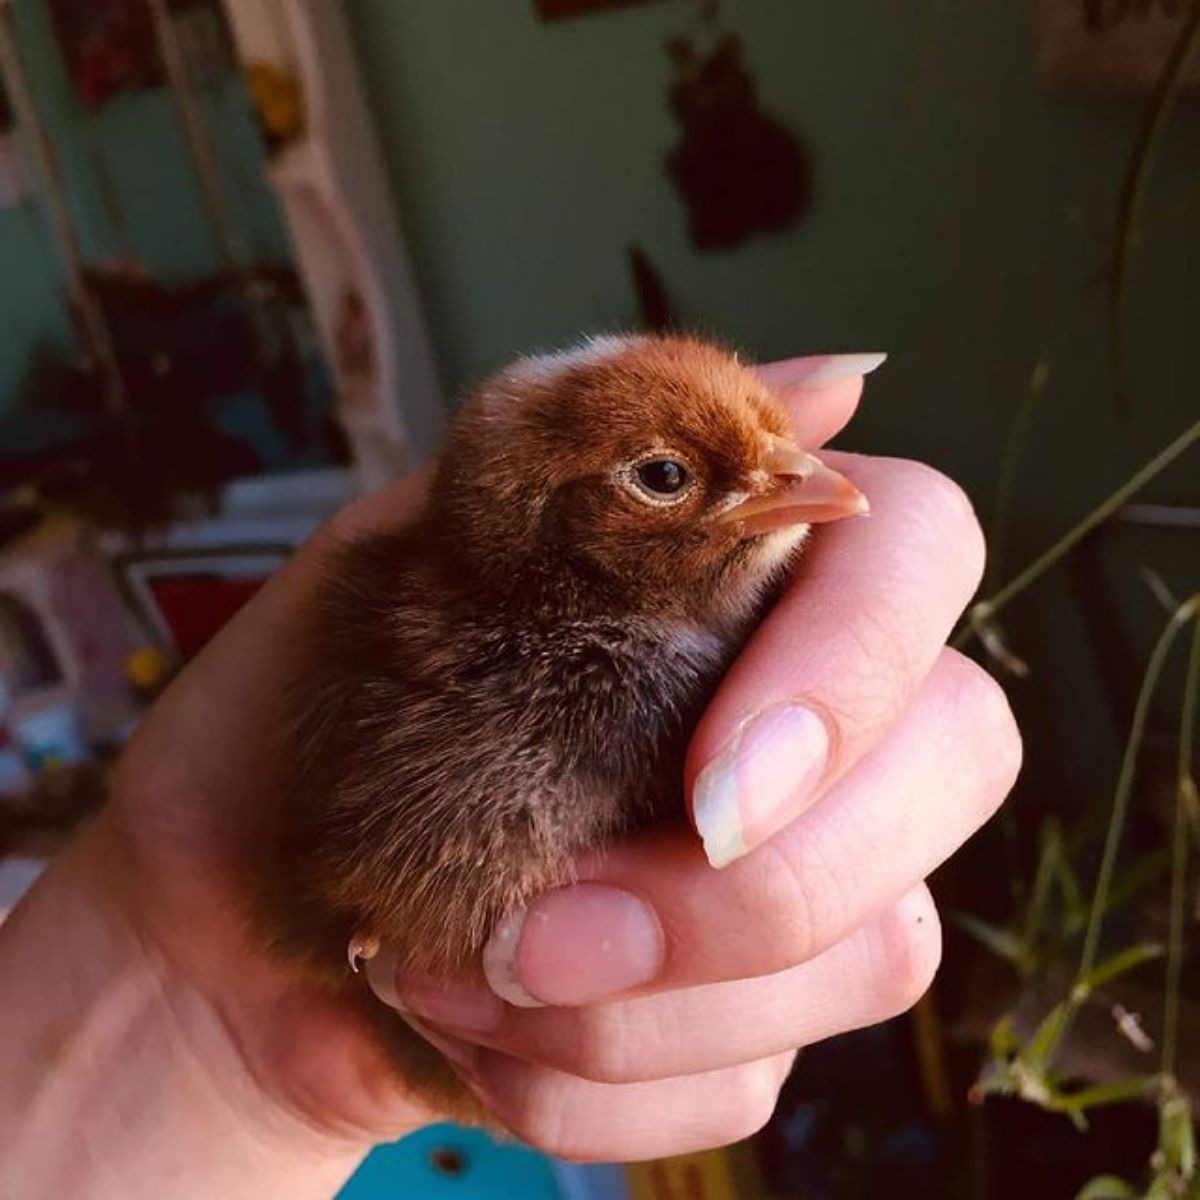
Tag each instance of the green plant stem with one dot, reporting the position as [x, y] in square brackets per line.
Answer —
[1080, 991]
[1185, 785]
[986, 609]
[1036, 384]
[1014, 444]
[1136, 182]
[1038, 379]
[1116, 824]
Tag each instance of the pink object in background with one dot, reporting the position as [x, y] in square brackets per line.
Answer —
[99, 632]
[65, 634]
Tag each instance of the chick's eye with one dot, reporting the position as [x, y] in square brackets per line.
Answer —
[663, 477]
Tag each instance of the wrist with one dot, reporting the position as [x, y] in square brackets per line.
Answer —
[120, 1077]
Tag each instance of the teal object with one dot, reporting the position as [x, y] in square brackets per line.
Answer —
[448, 1162]
[130, 151]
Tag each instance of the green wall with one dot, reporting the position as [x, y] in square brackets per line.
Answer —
[31, 308]
[959, 205]
[129, 157]
[960, 209]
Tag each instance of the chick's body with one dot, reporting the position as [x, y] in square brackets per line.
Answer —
[512, 679]
[464, 742]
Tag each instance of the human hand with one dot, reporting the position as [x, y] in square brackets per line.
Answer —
[676, 993]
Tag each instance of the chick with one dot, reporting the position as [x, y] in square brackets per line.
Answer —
[512, 678]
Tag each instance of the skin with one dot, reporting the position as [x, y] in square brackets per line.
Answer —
[142, 1016]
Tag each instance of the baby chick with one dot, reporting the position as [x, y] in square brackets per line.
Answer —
[512, 678]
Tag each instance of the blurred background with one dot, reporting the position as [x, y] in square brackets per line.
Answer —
[253, 251]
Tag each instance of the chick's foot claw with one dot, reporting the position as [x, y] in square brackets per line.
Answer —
[362, 947]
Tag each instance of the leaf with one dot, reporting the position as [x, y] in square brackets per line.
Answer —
[1106, 1187]
[1119, 964]
[1050, 856]
[1143, 871]
[1004, 1041]
[994, 1080]
[1074, 908]
[1110, 1093]
[1177, 1138]
[1001, 942]
[1044, 1041]
[1190, 800]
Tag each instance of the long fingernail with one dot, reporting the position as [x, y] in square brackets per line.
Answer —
[820, 370]
[771, 765]
[500, 962]
[382, 979]
[575, 946]
[470, 1008]
[380, 970]
[463, 1055]
[464, 1006]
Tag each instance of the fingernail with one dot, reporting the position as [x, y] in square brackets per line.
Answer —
[380, 971]
[575, 946]
[463, 1056]
[467, 1007]
[500, 962]
[382, 980]
[770, 766]
[820, 370]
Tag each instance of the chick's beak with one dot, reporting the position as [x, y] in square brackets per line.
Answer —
[808, 493]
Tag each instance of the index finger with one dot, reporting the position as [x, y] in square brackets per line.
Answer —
[821, 392]
[839, 656]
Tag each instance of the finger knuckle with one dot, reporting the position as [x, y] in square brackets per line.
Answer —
[906, 952]
[604, 1052]
[540, 1120]
[985, 707]
[951, 518]
[878, 668]
[773, 886]
[754, 1097]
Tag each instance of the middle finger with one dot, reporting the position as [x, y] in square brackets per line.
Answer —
[874, 974]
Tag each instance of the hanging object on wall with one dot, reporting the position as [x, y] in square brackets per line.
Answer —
[278, 101]
[555, 10]
[1109, 45]
[110, 45]
[739, 170]
[656, 313]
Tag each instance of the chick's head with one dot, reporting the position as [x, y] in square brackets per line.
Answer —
[659, 467]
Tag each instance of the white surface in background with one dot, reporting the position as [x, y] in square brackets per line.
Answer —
[320, 492]
[16, 878]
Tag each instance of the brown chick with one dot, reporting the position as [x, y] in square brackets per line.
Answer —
[512, 678]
